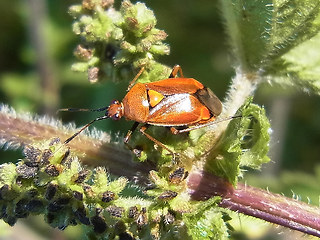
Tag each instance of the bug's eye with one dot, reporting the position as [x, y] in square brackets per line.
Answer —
[116, 116]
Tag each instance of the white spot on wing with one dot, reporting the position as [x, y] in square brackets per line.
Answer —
[186, 104]
[180, 102]
[145, 103]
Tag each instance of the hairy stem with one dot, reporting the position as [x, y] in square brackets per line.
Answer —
[242, 87]
[18, 130]
[256, 202]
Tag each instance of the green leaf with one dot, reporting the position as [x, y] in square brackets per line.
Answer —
[255, 143]
[245, 143]
[206, 222]
[300, 67]
[247, 24]
[7, 173]
[276, 38]
[293, 23]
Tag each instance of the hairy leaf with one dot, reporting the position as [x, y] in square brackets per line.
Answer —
[299, 67]
[243, 144]
[278, 39]
[206, 222]
[248, 24]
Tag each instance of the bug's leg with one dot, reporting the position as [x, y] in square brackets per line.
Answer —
[177, 131]
[133, 81]
[128, 137]
[129, 133]
[175, 71]
[160, 144]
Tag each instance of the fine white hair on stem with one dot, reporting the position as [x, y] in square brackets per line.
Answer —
[18, 129]
[243, 86]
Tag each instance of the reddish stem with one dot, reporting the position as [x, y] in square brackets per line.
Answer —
[256, 202]
[20, 131]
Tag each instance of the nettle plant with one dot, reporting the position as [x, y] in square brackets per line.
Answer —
[153, 196]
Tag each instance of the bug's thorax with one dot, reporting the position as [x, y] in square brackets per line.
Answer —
[136, 104]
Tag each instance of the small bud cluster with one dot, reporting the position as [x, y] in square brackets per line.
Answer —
[111, 37]
[51, 181]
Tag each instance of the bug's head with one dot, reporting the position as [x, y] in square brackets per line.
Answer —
[115, 110]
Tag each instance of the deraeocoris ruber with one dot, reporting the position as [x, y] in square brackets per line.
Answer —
[173, 102]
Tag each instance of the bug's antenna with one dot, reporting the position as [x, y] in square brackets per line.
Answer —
[82, 109]
[177, 131]
[84, 127]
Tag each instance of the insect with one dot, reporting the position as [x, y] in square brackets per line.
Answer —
[183, 104]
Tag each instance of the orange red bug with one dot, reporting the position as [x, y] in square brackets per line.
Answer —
[183, 104]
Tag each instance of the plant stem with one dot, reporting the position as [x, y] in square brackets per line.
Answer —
[255, 202]
[22, 130]
[18, 130]
[44, 62]
[242, 87]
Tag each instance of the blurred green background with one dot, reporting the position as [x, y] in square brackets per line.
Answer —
[36, 45]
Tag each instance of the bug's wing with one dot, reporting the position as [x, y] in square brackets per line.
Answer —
[178, 110]
[175, 86]
[210, 100]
